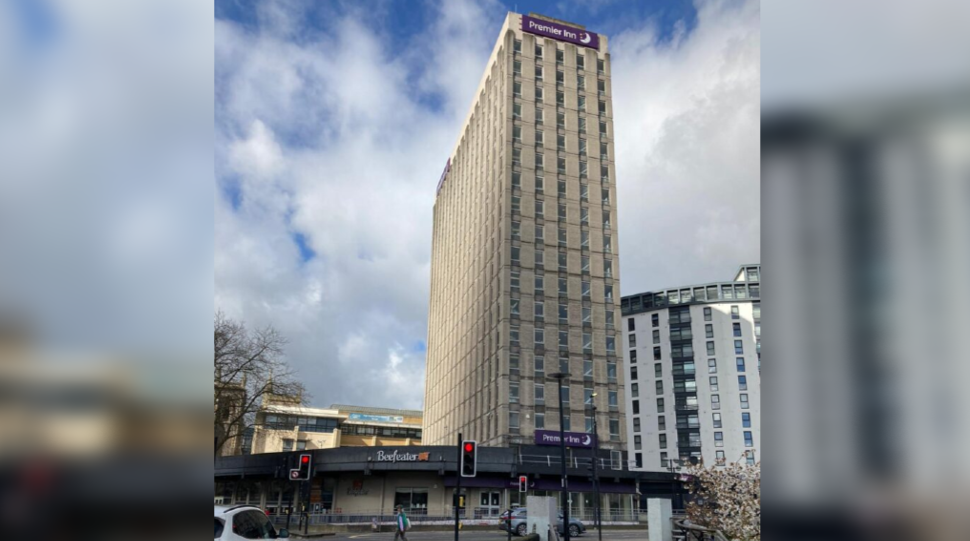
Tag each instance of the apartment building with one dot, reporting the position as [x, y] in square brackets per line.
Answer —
[694, 367]
[525, 266]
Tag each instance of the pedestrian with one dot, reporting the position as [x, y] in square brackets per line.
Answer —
[402, 525]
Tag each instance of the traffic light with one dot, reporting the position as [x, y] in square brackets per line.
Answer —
[469, 458]
[302, 471]
[523, 483]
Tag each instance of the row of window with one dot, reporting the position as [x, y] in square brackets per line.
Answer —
[539, 370]
[540, 423]
[515, 339]
[516, 231]
[564, 292]
[539, 255]
[730, 291]
[560, 95]
[560, 55]
[540, 120]
[561, 146]
[540, 164]
[539, 395]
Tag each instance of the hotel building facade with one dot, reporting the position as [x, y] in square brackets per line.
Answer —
[525, 265]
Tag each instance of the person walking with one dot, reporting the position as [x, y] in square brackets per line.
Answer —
[402, 524]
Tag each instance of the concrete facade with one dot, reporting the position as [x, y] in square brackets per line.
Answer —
[525, 265]
[698, 349]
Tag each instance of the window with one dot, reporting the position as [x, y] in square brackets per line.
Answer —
[655, 320]
[613, 401]
[583, 169]
[738, 348]
[565, 393]
[540, 165]
[540, 184]
[581, 102]
[636, 424]
[742, 383]
[517, 46]
[660, 387]
[540, 368]
[656, 353]
[585, 285]
[633, 369]
[513, 420]
[560, 76]
[584, 239]
[514, 280]
[611, 344]
[559, 56]
[746, 419]
[660, 405]
[631, 324]
[663, 441]
[563, 287]
[540, 233]
[605, 172]
[719, 439]
[658, 370]
[636, 443]
[656, 337]
[540, 258]
[582, 152]
[636, 407]
[516, 156]
[715, 402]
[287, 445]
[515, 307]
[737, 329]
[744, 401]
[516, 231]
[734, 313]
[563, 339]
[717, 420]
[540, 394]
[635, 390]
[561, 188]
[538, 98]
[756, 310]
[602, 108]
[710, 348]
[757, 329]
[540, 420]
[633, 340]
[539, 116]
[583, 216]
[580, 61]
[749, 456]
[581, 82]
[712, 380]
[516, 179]
[587, 369]
[514, 336]
[540, 209]
[707, 314]
[712, 366]
[606, 219]
[604, 154]
[587, 342]
[538, 73]
[561, 120]
[517, 87]
[661, 423]
[562, 211]
[748, 439]
[514, 393]
[606, 196]
[517, 134]
[584, 193]
[560, 98]
[538, 51]
[564, 364]
[608, 292]
[719, 458]
[709, 331]
[663, 460]
[582, 124]
[515, 254]
[517, 111]
[540, 283]
[540, 336]
[566, 422]
[562, 256]
[603, 127]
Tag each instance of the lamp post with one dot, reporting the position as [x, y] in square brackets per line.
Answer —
[559, 377]
[596, 485]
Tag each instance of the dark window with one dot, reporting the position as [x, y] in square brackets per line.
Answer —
[658, 370]
[660, 405]
[738, 348]
[253, 525]
[633, 372]
[636, 407]
[639, 459]
[633, 357]
[655, 320]
[734, 313]
[709, 331]
[737, 329]
[746, 420]
[707, 314]
[631, 324]
[742, 383]
[656, 353]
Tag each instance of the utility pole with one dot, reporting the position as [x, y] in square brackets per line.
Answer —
[458, 457]
[559, 377]
[596, 483]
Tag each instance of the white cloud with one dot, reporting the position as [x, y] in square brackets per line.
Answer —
[688, 148]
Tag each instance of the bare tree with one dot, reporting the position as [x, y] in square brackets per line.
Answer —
[249, 366]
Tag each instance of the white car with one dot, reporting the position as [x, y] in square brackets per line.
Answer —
[234, 522]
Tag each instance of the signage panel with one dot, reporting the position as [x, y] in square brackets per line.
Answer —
[573, 439]
[560, 32]
[376, 418]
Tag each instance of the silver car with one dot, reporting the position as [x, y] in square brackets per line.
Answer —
[519, 526]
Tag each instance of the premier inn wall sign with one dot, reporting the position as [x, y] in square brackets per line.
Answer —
[402, 457]
[560, 31]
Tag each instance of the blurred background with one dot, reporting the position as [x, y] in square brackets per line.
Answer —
[865, 194]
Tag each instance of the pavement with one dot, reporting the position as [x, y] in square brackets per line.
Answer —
[487, 535]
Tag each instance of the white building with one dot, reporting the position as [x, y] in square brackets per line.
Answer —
[693, 361]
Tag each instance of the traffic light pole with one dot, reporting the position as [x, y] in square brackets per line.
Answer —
[306, 507]
[458, 457]
[596, 483]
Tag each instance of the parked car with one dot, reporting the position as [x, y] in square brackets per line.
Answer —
[244, 522]
[519, 526]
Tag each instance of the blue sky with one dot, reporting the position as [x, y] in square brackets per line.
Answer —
[334, 120]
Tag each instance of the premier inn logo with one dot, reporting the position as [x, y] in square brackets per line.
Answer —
[402, 457]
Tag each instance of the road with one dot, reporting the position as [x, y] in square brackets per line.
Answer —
[485, 535]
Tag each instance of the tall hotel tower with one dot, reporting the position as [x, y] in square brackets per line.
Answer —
[525, 268]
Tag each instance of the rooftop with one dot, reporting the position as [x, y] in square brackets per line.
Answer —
[343, 408]
[746, 286]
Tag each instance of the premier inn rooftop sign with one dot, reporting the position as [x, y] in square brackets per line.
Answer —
[561, 32]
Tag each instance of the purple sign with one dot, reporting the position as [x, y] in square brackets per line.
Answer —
[443, 175]
[560, 32]
[573, 439]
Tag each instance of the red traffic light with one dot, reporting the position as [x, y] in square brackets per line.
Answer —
[304, 459]
[469, 447]
[523, 479]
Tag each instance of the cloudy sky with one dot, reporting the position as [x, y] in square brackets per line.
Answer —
[334, 120]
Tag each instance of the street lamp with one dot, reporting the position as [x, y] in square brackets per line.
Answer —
[559, 377]
[596, 485]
